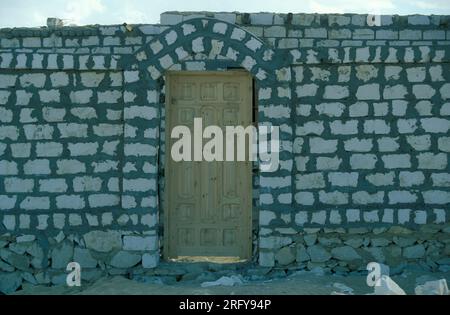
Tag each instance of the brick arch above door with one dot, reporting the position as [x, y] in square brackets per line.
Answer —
[210, 37]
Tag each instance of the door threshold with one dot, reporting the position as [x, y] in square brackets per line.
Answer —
[210, 259]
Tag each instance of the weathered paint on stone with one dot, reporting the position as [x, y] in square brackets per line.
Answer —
[365, 143]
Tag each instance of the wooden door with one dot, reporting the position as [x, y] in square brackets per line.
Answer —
[207, 204]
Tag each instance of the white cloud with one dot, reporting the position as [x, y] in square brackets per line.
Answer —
[38, 18]
[436, 4]
[82, 12]
[133, 16]
[351, 6]
[77, 11]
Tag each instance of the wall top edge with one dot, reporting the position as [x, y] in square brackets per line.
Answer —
[348, 20]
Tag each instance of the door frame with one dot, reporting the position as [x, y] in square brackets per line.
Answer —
[166, 229]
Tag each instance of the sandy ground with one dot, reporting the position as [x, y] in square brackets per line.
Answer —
[306, 283]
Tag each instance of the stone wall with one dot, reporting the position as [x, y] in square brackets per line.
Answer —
[364, 117]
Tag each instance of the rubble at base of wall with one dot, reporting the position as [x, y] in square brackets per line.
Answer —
[27, 260]
[341, 250]
[38, 260]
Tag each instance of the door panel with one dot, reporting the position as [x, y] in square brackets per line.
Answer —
[208, 204]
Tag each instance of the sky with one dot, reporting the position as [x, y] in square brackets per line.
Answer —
[34, 13]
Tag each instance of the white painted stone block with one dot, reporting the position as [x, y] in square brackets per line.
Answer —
[336, 92]
[197, 45]
[9, 132]
[144, 112]
[75, 219]
[139, 243]
[423, 91]
[13, 184]
[358, 145]
[8, 168]
[366, 72]
[69, 130]
[330, 109]
[51, 114]
[328, 163]
[368, 92]
[108, 130]
[23, 98]
[416, 74]
[401, 196]
[387, 144]
[87, 183]
[408, 179]
[359, 109]
[363, 197]
[440, 215]
[283, 74]
[420, 217]
[103, 200]
[388, 216]
[49, 96]
[301, 218]
[381, 179]
[432, 161]
[4, 96]
[37, 167]
[285, 198]
[436, 197]
[38, 132]
[49, 149]
[394, 92]
[333, 198]
[6, 115]
[353, 215]
[56, 185]
[7, 202]
[393, 161]
[42, 222]
[69, 202]
[343, 179]
[150, 260]
[319, 145]
[27, 115]
[304, 198]
[371, 216]
[84, 112]
[441, 179]
[363, 161]
[319, 217]
[9, 222]
[35, 203]
[310, 127]
[109, 97]
[344, 128]
[306, 90]
[220, 28]
[81, 97]
[399, 107]
[139, 184]
[435, 125]
[376, 126]
[380, 109]
[70, 167]
[138, 149]
[32, 79]
[265, 217]
[419, 143]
